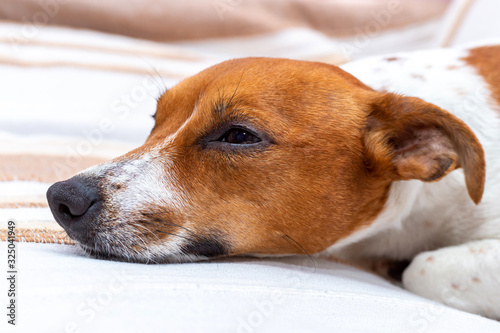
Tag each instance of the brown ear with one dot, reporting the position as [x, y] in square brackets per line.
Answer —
[407, 138]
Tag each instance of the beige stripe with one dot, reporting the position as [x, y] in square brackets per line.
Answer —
[12, 61]
[4, 205]
[458, 11]
[40, 226]
[34, 200]
[154, 52]
[37, 232]
[39, 236]
[58, 145]
[42, 168]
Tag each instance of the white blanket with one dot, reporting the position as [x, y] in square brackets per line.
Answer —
[62, 291]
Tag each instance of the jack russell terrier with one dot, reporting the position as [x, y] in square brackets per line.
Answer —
[383, 160]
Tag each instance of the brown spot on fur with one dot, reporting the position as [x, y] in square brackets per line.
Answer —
[422, 271]
[487, 62]
[430, 258]
[472, 250]
[117, 186]
[391, 59]
[452, 67]
[418, 76]
[476, 280]
[455, 286]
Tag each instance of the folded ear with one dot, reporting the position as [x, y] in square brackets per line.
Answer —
[407, 138]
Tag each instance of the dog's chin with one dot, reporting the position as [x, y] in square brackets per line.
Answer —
[98, 252]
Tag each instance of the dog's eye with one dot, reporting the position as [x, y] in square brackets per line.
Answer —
[239, 136]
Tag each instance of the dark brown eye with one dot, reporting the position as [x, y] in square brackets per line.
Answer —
[239, 136]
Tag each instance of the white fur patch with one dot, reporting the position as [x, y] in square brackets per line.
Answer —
[141, 183]
[464, 276]
[130, 186]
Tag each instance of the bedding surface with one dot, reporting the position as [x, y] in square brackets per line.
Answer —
[60, 290]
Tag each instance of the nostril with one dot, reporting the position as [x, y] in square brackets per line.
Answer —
[69, 213]
[64, 210]
[76, 206]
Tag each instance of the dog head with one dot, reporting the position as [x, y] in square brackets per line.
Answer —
[261, 156]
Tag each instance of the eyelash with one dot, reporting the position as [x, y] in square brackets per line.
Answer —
[218, 138]
[239, 136]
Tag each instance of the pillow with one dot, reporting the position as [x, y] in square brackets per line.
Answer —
[199, 19]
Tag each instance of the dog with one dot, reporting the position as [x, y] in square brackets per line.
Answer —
[380, 161]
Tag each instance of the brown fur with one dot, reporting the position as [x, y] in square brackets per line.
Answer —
[487, 62]
[411, 139]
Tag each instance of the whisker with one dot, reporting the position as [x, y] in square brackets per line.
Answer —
[147, 230]
[129, 252]
[161, 221]
[180, 226]
[163, 89]
[174, 234]
[237, 86]
[127, 249]
[158, 224]
[293, 241]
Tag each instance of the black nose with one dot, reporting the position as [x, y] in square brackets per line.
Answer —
[74, 204]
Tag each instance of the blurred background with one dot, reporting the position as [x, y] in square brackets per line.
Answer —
[79, 79]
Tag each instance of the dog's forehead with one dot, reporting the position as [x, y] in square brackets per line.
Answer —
[259, 84]
[263, 76]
